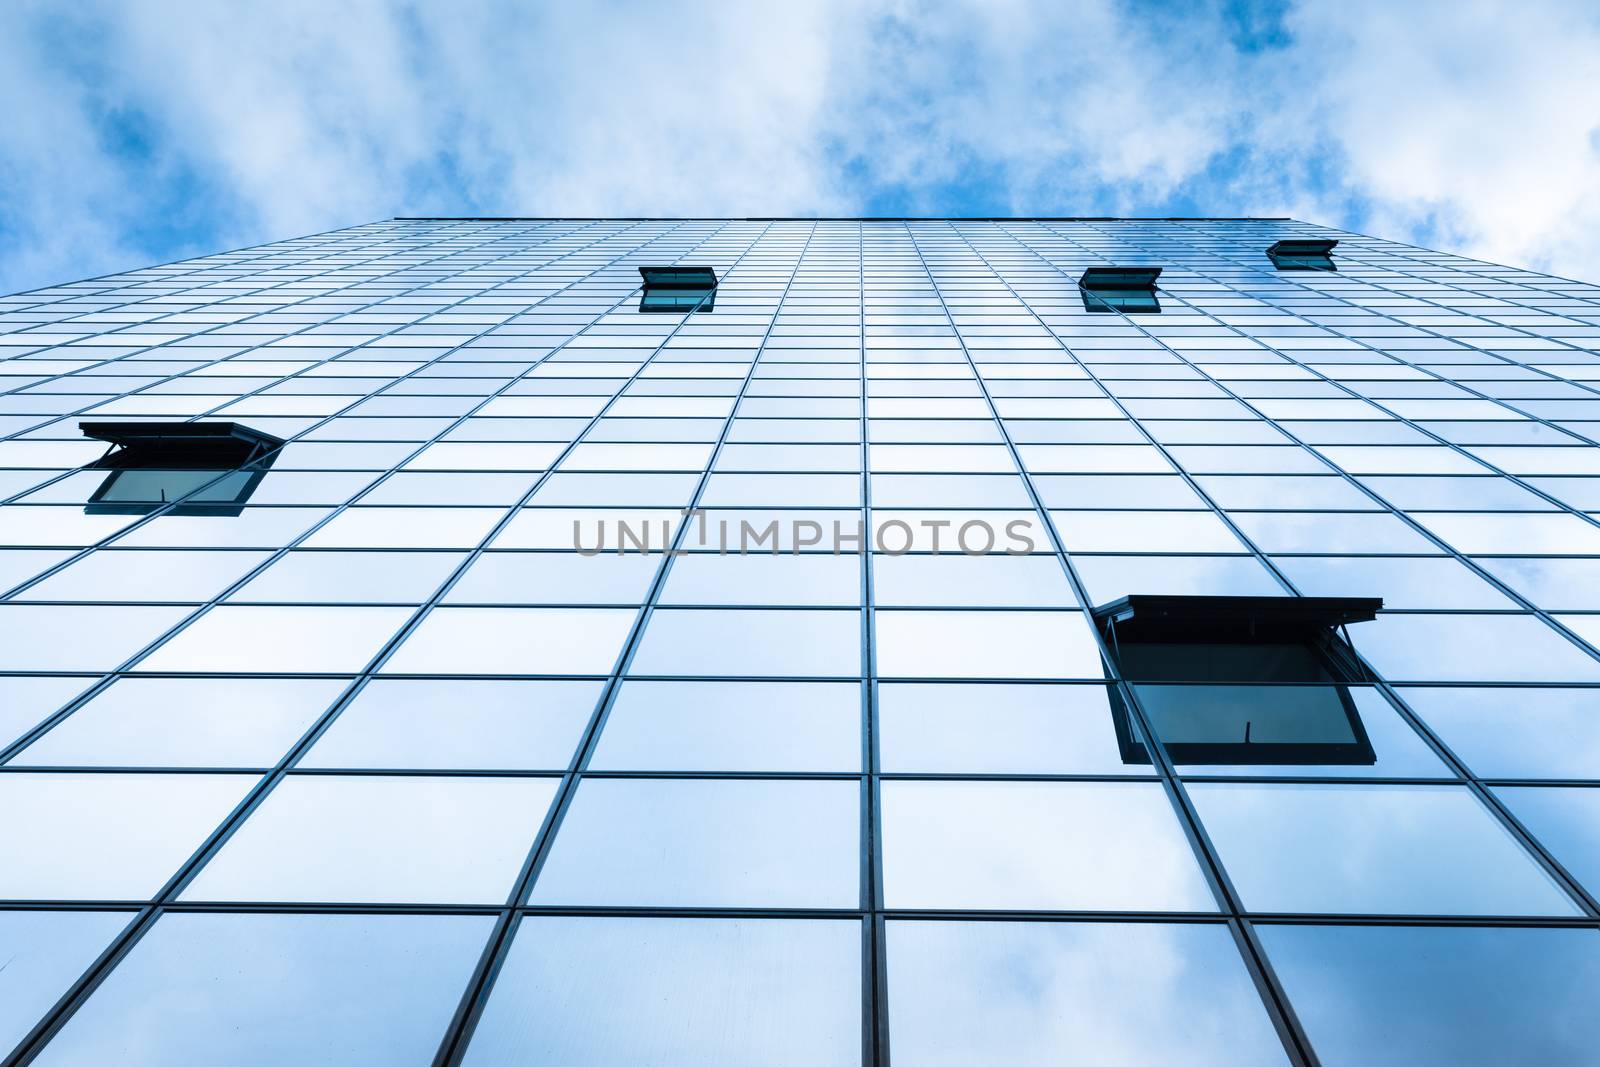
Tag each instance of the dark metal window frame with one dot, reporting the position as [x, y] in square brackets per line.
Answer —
[678, 289]
[1303, 253]
[1130, 290]
[223, 447]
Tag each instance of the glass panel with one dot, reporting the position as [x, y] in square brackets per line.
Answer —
[1109, 578]
[1103, 846]
[351, 577]
[52, 637]
[219, 989]
[707, 843]
[1566, 822]
[514, 641]
[106, 836]
[556, 578]
[1045, 994]
[1379, 849]
[458, 725]
[1407, 996]
[1412, 582]
[278, 640]
[185, 722]
[19, 565]
[1516, 733]
[1449, 648]
[975, 581]
[150, 576]
[997, 729]
[406, 528]
[1144, 531]
[44, 953]
[703, 578]
[1534, 534]
[732, 726]
[675, 993]
[1552, 584]
[1355, 533]
[718, 642]
[253, 528]
[27, 701]
[377, 839]
[986, 644]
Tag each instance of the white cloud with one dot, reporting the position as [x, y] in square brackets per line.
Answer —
[1480, 115]
[138, 132]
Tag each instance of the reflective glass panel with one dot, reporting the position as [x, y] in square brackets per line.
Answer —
[997, 729]
[706, 843]
[185, 722]
[1407, 996]
[1506, 732]
[221, 989]
[718, 642]
[277, 640]
[1566, 822]
[986, 644]
[732, 726]
[380, 839]
[45, 951]
[106, 836]
[465, 724]
[675, 992]
[1378, 849]
[1043, 994]
[1112, 846]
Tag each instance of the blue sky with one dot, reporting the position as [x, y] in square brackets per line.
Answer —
[144, 132]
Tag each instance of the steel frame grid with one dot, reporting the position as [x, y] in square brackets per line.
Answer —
[867, 610]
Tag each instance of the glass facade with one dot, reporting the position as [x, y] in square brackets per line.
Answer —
[722, 685]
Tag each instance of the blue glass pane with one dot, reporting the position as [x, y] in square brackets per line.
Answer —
[1406, 996]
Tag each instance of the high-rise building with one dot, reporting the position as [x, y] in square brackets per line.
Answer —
[780, 641]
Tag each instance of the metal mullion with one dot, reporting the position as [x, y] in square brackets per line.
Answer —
[1274, 997]
[875, 972]
[84, 986]
[458, 1034]
[1186, 918]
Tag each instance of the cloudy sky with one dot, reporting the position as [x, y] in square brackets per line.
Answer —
[145, 131]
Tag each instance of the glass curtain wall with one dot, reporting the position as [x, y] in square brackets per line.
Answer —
[400, 760]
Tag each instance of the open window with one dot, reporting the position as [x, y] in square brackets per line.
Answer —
[214, 467]
[680, 289]
[1130, 290]
[1302, 254]
[1228, 680]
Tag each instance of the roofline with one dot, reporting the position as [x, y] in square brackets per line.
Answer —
[844, 218]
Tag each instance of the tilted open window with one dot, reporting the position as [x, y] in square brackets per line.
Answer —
[680, 289]
[213, 467]
[1302, 254]
[1130, 290]
[1240, 680]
